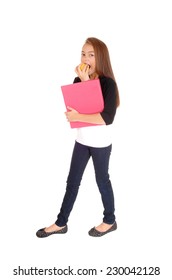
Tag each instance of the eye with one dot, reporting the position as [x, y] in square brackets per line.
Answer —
[82, 54]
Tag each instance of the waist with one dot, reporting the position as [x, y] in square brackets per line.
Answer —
[95, 136]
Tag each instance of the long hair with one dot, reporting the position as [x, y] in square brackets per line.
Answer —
[103, 63]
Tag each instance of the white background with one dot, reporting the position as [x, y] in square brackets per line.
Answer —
[40, 46]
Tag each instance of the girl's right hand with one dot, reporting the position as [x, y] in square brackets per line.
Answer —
[82, 74]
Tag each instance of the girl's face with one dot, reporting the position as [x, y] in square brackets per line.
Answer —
[88, 57]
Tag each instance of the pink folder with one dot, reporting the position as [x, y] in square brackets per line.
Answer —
[85, 97]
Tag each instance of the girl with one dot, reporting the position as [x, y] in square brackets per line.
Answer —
[91, 141]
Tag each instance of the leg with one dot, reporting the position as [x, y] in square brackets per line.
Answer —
[79, 161]
[100, 158]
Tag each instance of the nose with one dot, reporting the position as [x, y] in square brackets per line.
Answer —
[86, 61]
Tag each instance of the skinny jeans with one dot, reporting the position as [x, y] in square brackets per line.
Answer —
[80, 157]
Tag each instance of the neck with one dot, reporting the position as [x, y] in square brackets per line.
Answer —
[94, 76]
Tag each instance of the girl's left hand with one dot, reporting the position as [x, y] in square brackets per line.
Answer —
[71, 115]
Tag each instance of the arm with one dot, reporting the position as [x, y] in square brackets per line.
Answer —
[106, 117]
[74, 116]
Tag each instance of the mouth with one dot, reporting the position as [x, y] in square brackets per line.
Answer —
[84, 65]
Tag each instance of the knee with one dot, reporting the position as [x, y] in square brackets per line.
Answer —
[102, 180]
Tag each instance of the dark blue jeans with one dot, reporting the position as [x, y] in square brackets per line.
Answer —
[80, 158]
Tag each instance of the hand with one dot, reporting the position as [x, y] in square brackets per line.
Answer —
[71, 115]
[83, 74]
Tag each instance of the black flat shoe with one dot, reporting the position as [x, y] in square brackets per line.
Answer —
[42, 233]
[95, 233]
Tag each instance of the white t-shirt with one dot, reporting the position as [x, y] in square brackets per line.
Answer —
[97, 136]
